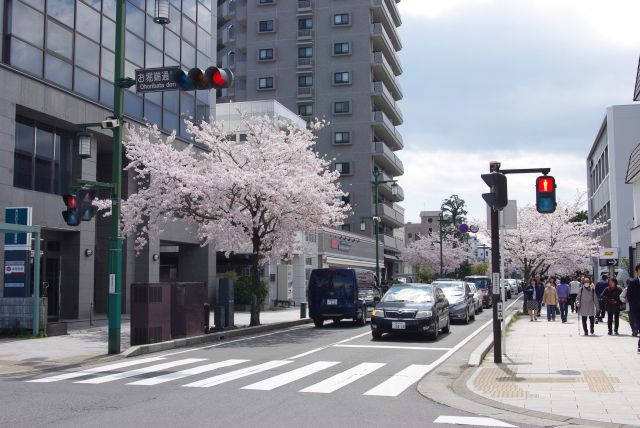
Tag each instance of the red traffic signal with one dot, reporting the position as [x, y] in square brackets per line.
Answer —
[71, 215]
[211, 78]
[546, 194]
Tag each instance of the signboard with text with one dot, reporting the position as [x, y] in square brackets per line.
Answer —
[156, 79]
[17, 254]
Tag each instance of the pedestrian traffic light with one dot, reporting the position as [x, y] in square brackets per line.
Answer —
[545, 194]
[71, 215]
[211, 78]
[497, 198]
[84, 198]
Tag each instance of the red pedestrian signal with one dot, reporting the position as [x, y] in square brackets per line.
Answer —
[546, 194]
[211, 78]
[71, 215]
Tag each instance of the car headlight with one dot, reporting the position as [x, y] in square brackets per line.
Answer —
[377, 313]
[424, 314]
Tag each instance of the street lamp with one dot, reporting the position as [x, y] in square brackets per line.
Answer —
[376, 218]
[161, 12]
[84, 144]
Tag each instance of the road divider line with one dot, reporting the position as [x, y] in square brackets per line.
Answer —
[418, 348]
[400, 381]
[188, 372]
[288, 377]
[237, 374]
[137, 372]
[94, 370]
[340, 380]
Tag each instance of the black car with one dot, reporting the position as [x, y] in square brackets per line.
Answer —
[411, 308]
[462, 307]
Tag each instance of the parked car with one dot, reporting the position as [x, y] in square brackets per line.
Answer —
[504, 283]
[411, 308]
[338, 293]
[514, 286]
[461, 305]
[477, 299]
[483, 284]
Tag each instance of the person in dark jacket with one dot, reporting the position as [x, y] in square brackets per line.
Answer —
[563, 290]
[531, 300]
[633, 298]
[600, 287]
[611, 301]
[539, 294]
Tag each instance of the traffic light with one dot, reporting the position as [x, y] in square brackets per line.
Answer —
[71, 216]
[211, 78]
[545, 194]
[497, 198]
[84, 198]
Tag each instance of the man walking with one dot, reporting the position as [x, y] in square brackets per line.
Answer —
[563, 291]
[600, 287]
[574, 287]
[633, 298]
[539, 294]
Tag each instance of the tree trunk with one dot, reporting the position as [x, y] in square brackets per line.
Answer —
[255, 290]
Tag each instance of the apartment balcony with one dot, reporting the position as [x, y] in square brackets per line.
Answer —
[381, 14]
[305, 7]
[385, 157]
[390, 215]
[391, 243]
[395, 13]
[227, 10]
[382, 71]
[384, 101]
[229, 36]
[305, 92]
[382, 42]
[305, 34]
[384, 128]
[305, 63]
[386, 190]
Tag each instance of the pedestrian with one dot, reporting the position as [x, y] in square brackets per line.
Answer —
[623, 299]
[573, 293]
[611, 300]
[550, 299]
[564, 294]
[531, 299]
[633, 298]
[600, 286]
[587, 304]
[539, 293]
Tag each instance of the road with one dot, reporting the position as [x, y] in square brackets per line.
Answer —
[304, 376]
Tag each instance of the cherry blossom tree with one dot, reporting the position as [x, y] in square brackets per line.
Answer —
[552, 243]
[426, 252]
[252, 195]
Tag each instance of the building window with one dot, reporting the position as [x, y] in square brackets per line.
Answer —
[342, 107]
[306, 52]
[305, 24]
[305, 81]
[263, 2]
[42, 157]
[346, 199]
[342, 137]
[265, 54]
[410, 235]
[265, 83]
[266, 26]
[344, 168]
[305, 110]
[341, 77]
[429, 220]
[341, 19]
[341, 48]
[346, 227]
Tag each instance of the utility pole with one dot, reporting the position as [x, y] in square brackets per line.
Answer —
[440, 220]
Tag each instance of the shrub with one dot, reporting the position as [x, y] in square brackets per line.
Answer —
[242, 290]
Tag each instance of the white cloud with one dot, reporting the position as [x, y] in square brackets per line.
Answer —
[431, 176]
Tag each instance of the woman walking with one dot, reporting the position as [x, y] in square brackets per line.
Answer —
[531, 299]
[611, 300]
[587, 304]
[550, 299]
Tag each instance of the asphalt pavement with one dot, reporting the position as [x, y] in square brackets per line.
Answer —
[302, 376]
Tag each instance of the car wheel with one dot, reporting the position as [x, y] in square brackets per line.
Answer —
[466, 316]
[434, 335]
[447, 328]
[361, 321]
[377, 335]
[473, 316]
[319, 321]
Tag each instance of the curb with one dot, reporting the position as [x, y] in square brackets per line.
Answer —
[476, 357]
[217, 336]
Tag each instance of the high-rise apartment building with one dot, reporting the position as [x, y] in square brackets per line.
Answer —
[337, 61]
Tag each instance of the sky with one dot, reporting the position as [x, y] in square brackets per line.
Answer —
[523, 82]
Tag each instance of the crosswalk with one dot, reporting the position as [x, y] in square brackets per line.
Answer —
[159, 370]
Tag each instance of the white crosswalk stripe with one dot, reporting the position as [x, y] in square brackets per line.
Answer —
[185, 373]
[400, 381]
[237, 374]
[343, 379]
[288, 377]
[95, 370]
[137, 372]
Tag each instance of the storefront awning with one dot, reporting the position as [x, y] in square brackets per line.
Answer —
[339, 261]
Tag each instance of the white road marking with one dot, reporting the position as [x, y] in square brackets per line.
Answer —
[419, 348]
[95, 370]
[188, 372]
[144, 370]
[237, 374]
[340, 380]
[288, 377]
[476, 421]
[304, 354]
[400, 381]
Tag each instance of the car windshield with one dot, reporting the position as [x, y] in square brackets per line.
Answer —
[451, 288]
[408, 294]
[479, 282]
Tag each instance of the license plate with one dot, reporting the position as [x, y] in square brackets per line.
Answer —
[332, 301]
[396, 325]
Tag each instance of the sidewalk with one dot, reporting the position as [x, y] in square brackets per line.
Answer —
[84, 343]
[553, 369]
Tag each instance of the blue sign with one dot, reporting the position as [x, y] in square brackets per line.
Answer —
[463, 228]
[15, 240]
[17, 254]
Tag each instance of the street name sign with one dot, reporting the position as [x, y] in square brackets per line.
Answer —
[156, 79]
